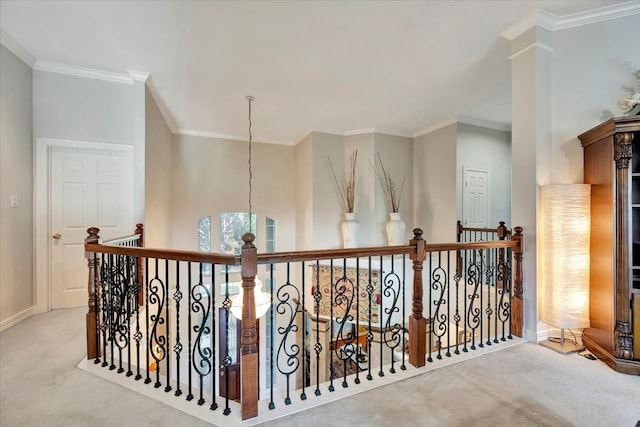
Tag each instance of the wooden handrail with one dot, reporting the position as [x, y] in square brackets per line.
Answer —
[275, 257]
[174, 255]
[117, 241]
[501, 230]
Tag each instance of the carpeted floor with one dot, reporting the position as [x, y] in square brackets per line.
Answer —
[523, 385]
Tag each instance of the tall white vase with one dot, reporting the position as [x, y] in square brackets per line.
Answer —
[350, 227]
[396, 229]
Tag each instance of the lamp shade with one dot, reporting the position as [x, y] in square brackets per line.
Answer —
[262, 300]
[566, 238]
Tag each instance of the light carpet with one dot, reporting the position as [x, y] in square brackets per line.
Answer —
[522, 385]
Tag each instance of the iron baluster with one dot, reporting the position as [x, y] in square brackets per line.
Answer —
[370, 291]
[226, 362]
[212, 342]
[177, 348]
[288, 303]
[146, 315]
[201, 353]
[317, 297]
[189, 329]
[272, 405]
[303, 395]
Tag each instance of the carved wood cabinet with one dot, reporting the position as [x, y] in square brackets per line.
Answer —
[612, 167]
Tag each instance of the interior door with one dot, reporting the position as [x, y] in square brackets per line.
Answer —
[475, 197]
[88, 188]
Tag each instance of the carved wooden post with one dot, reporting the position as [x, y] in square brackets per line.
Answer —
[93, 349]
[516, 297]
[623, 331]
[250, 357]
[140, 231]
[417, 323]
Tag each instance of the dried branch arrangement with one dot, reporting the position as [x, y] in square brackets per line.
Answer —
[346, 183]
[391, 193]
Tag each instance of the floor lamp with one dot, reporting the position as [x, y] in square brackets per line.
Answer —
[566, 239]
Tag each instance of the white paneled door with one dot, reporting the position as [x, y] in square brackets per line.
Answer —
[475, 197]
[88, 188]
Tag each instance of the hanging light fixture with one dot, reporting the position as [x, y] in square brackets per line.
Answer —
[262, 299]
[250, 99]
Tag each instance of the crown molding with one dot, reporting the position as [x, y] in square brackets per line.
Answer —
[358, 132]
[229, 137]
[551, 22]
[16, 49]
[540, 18]
[138, 76]
[435, 127]
[484, 124]
[90, 73]
[596, 15]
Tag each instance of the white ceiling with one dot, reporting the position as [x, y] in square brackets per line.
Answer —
[333, 66]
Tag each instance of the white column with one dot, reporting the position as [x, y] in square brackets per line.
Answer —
[531, 152]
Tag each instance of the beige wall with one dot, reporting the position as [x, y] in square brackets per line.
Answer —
[16, 178]
[397, 156]
[210, 176]
[488, 149]
[158, 160]
[434, 183]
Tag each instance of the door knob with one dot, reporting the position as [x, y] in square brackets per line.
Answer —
[57, 236]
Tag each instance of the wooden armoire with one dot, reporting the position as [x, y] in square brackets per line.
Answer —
[612, 167]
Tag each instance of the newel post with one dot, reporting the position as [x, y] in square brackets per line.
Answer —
[249, 361]
[417, 323]
[516, 298]
[93, 349]
[140, 232]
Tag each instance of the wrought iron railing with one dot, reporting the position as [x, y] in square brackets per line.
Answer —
[479, 234]
[336, 318]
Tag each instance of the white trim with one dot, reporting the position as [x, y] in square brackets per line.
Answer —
[435, 127]
[551, 22]
[540, 18]
[359, 132]
[90, 73]
[139, 76]
[153, 90]
[484, 124]
[16, 318]
[543, 335]
[16, 49]
[597, 15]
[229, 137]
[531, 46]
[41, 195]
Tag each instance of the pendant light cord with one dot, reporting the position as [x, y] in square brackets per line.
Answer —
[250, 99]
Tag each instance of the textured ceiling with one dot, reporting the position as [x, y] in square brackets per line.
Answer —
[340, 67]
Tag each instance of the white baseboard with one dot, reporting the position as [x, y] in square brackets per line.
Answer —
[7, 323]
[543, 335]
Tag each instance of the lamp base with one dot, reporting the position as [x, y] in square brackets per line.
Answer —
[563, 347]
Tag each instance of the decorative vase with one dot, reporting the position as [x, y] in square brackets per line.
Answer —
[350, 227]
[396, 230]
